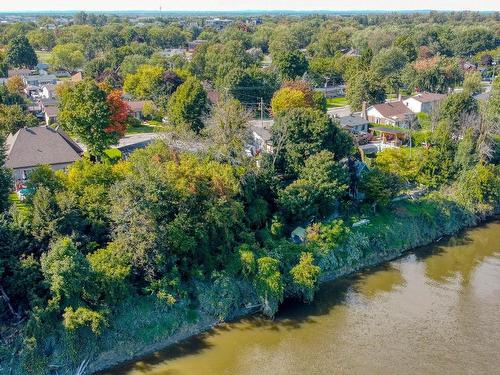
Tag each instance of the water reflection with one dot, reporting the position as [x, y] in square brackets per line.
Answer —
[433, 311]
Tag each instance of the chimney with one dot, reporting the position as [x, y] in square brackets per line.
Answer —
[399, 97]
[364, 113]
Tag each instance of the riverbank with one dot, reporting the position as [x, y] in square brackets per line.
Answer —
[388, 236]
[441, 298]
[144, 325]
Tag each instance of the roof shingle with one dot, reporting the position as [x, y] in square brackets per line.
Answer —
[30, 147]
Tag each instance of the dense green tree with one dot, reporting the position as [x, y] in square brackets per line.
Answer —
[290, 65]
[42, 39]
[492, 107]
[379, 187]
[387, 66]
[435, 74]
[466, 155]
[45, 176]
[437, 164]
[4, 66]
[305, 276]
[472, 83]
[364, 87]
[455, 106]
[472, 40]
[14, 117]
[252, 84]
[66, 271]
[20, 53]
[269, 284]
[324, 70]
[302, 132]
[84, 112]
[5, 179]
[478, 188]
[167, 37]
[131, 63]
[187, 106]
[67, 56]
[221, 59]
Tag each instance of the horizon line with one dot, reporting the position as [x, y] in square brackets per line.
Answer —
[249, 11]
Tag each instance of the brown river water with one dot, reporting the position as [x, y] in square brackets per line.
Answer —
[436, 310]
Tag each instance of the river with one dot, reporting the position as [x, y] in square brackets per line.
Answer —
[434, 311]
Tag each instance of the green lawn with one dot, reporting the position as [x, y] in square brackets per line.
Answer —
[43, 56]
[336, 102]
[140, 129]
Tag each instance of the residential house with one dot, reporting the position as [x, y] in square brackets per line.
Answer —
[390, 113]
[423, 102]
[261, 134]
[19, 72]
[62, 74]
[136, 108]
[49, 108]
[48, 91]
[77, 77]
[31, 147]
[42, 68]
[354, 124]
[332, 91]
[39, 80]
[50, 114]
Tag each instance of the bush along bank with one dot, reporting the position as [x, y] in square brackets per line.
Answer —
[332, 249]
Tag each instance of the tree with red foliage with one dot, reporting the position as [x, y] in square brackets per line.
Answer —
[120, 112]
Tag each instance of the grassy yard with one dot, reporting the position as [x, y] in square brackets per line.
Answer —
[336, 102]
[43, 56]
[145, 128]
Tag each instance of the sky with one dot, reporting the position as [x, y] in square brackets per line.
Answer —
[214, 5]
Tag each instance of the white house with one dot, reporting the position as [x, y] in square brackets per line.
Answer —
[390, 113]
[48, 91]
[31, 147]
[423, 102]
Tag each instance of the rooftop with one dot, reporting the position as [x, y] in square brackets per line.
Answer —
[349, 121]
[30, 147]
[392, 109]
[428, 97]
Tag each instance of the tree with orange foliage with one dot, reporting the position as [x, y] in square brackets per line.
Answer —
[120, 112]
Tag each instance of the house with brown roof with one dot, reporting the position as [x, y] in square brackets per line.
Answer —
[77, 77]
[136, 108]
[41, 145]
[19, 72]
[423, 102]
[390, 113]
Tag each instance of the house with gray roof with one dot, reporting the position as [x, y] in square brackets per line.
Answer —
[41, 145]
[356, 124]
[39, 80]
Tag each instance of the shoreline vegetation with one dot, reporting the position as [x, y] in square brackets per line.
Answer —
[205, 324]
[423, 221]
